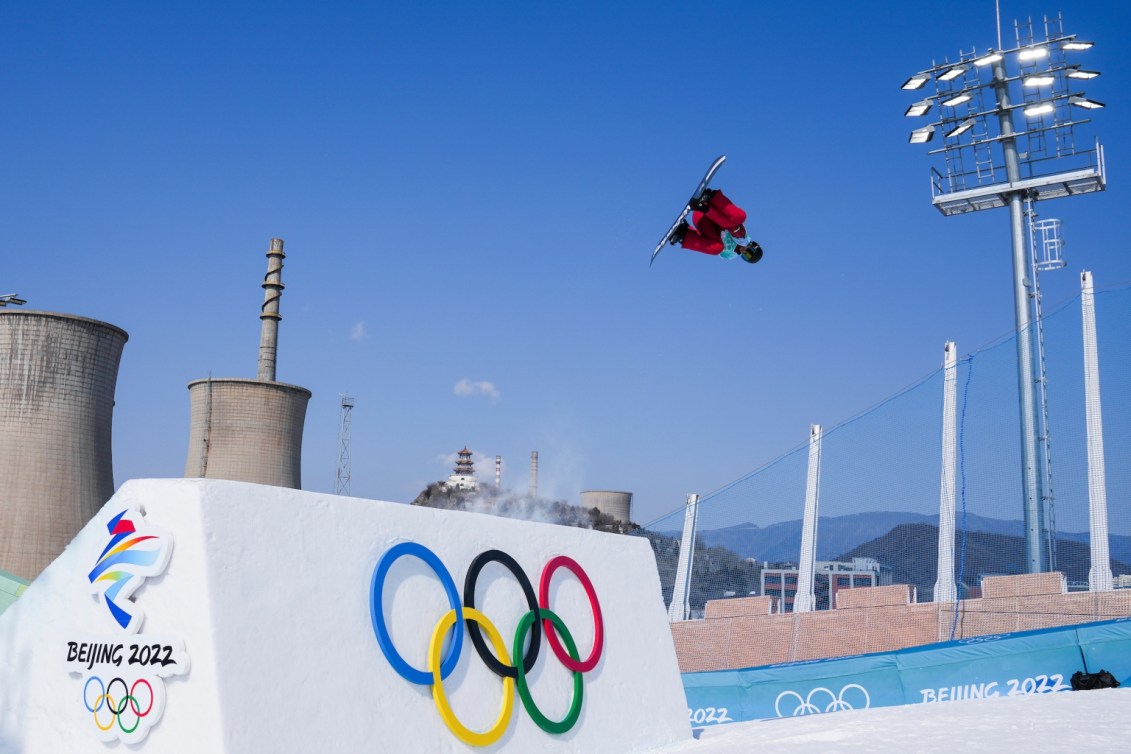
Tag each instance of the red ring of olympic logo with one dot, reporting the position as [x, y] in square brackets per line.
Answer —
[538, 619]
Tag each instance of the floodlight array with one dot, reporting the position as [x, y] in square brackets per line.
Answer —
[960, 83]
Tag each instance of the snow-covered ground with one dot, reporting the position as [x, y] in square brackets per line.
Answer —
[1070, 721]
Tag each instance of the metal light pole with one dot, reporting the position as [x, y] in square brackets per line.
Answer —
[1035, 548]
[972, 132]
[11, 298]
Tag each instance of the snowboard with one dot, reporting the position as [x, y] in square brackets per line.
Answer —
[687, 207]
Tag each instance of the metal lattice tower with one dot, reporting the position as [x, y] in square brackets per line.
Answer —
[345, 418]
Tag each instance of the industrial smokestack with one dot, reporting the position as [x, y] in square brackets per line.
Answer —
[534, 474]
[250, 430]
[498, 472]
[269, 312]
[57, 379]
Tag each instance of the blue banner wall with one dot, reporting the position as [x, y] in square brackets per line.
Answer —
[984, 667]
[798, 688]
[1107, 646]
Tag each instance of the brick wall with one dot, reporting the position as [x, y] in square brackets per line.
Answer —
[739, 606]
[882, 619]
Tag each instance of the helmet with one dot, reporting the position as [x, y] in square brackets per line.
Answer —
[752, 252]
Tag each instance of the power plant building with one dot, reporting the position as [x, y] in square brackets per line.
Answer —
[617, 505]
[251, 430]
[57, 382]
[246, 430]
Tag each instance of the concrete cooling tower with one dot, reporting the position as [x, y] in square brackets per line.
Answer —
[251, 430]
[57, 378]
[246, 430]
[615, 504]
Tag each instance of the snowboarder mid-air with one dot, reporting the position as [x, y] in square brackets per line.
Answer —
[717, 228]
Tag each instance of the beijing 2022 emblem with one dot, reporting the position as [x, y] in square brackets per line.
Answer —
[123, 691]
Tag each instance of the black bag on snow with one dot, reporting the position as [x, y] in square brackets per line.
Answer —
[1082, 681]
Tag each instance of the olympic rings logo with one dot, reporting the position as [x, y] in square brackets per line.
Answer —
[538, 619]
[836, 702]
[127, 703]
[982, 639]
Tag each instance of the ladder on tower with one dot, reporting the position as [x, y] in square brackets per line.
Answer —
[1045, 247]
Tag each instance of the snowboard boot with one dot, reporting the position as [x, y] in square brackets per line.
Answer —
[677, 235]
[701, 202]
[751, 253]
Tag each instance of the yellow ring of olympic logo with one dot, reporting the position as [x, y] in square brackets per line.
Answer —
[462, 732]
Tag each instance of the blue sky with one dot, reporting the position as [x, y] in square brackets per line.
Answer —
[469, 193]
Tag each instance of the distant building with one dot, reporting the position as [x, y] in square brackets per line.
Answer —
[463, 478]
[828, 579]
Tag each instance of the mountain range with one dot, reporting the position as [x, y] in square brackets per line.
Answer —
[839, 536]
[982, 554]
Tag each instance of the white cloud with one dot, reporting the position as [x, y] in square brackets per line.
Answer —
[466, 387]
[357, 332]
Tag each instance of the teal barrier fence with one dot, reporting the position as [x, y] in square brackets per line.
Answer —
[1034, 662]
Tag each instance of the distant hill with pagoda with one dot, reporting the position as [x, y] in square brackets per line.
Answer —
[463, 491]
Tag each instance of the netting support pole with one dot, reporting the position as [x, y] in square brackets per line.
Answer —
[680, 607]
[945, 589]
[1099, 575]
[805, 601]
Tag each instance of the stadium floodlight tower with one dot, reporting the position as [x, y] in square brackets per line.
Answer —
[988, 163]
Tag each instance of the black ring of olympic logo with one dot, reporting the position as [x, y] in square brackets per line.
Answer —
[124, 697]
[476, 634]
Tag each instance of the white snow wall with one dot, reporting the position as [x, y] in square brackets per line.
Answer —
[268, 590]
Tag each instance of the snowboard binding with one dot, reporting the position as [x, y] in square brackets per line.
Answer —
[677, 235]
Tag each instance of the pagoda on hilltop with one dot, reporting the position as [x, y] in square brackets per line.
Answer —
[463, 477]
